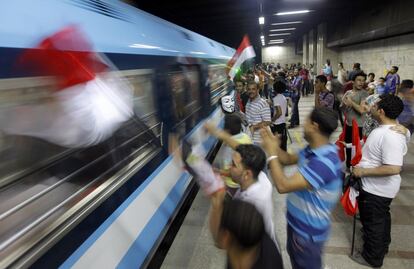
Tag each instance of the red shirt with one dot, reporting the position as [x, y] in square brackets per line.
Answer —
[304, 73]
[347, 86]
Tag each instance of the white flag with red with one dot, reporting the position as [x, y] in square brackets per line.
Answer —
[89, 102]
[243, 53]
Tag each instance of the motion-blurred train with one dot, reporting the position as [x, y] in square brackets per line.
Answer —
[108, 205]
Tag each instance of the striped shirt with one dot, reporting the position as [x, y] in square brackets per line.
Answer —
[309, 211]
[257, 111]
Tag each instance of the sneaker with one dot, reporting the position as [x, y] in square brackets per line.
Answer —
[357, 257]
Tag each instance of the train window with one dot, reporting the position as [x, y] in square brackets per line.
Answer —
[218, 82]
[16, 95]
[144, 105]
[194, 83]
[185, 91]
[22, 155]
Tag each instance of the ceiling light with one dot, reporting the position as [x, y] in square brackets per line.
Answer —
[262, 36]
[279, 34]
[289, 22]
[261, 20]
[276, 40]
[281, 30]
[292, 12]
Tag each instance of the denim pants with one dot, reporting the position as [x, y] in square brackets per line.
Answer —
[304, 253]
[294, 119]
[376, 224]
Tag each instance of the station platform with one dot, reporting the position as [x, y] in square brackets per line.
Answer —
[193, 246]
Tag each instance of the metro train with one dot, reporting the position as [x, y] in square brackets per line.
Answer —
[107, 205]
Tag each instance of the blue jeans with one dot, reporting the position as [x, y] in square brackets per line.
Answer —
[294, 119]
[304, 253]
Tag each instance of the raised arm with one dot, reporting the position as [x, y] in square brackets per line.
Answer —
[221, 135]
[273, 148]
[282, 183]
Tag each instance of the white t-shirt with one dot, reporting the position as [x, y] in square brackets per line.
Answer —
[280, 100]
[259, 194]
[383, 146]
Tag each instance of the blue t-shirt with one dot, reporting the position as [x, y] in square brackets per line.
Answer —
[391, 82]
[406, 116]
[309, 211]
[381, 89]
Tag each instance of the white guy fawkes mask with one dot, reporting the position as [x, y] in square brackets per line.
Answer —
[227, 103]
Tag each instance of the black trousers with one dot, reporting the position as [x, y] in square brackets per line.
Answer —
[348, 139]
[376, 224]
[281, 130]
[294, 118]
[305, 88]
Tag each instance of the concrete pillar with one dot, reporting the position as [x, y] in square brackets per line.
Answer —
[320, 47]
[312, 47]
[305, 49]
[322, 52]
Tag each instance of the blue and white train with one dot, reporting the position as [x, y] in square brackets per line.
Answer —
[109, 205]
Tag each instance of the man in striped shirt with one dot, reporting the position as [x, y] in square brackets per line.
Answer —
[257, 112]
[313, 191]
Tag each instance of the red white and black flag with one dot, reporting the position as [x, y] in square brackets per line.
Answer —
[88, 102]
[243, 53]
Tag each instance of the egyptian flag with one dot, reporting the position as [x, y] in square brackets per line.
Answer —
[349, 201]
[356, 144]
[243, 53]
[88, 101]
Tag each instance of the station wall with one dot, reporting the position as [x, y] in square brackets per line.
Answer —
[377, 56]
[283, 54]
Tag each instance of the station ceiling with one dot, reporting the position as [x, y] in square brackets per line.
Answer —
[226, 21]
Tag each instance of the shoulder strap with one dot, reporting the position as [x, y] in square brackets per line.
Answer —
[326, 94]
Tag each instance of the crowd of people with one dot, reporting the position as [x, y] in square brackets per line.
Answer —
[255, 134]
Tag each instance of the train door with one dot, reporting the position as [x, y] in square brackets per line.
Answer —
[179, 99]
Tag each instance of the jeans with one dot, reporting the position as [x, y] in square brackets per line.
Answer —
[303, 253]
[294, 120]
[305, 87]
[375, 217]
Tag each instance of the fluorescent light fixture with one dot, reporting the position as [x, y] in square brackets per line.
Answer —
[292, 12]
[261, 20]
[262, 37]
[276, 40]
[274, 43]
[281, 30]
[281, 34]
[288, 22]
